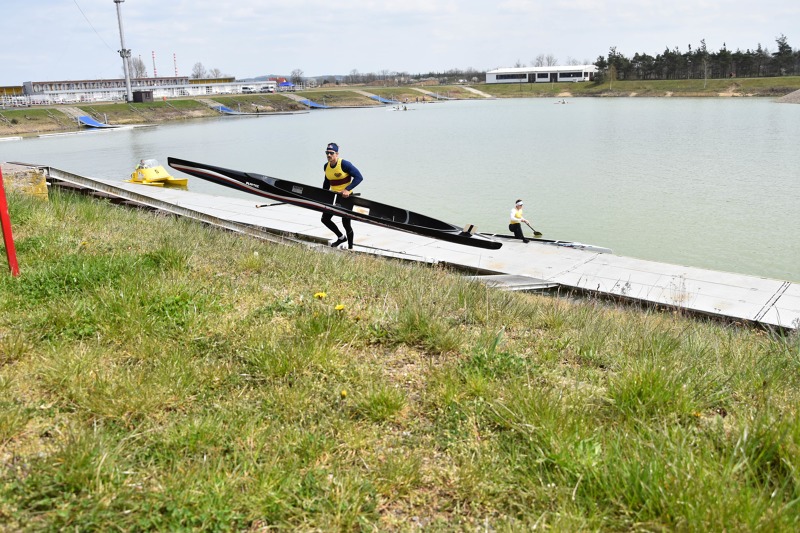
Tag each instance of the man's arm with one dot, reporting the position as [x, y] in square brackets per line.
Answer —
[325, 183]
[348, 167]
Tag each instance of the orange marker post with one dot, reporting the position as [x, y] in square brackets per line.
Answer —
[5, 223]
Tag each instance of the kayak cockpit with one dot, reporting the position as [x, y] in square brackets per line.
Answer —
[150, 172]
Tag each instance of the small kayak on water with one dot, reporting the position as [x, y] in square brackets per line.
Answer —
[553, 242]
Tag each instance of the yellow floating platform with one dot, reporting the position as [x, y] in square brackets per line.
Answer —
[149, 172]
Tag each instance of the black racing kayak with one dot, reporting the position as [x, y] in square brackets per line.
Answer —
[553, 242]
[325, 201]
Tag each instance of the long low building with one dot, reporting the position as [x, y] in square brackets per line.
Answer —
[109, 90]
[569, 73]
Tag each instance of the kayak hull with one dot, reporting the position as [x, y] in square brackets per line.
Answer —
[326, 201]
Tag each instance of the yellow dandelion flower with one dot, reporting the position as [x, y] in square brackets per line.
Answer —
[339, 307]
[320, 295]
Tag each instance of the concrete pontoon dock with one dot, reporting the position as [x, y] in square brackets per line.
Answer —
[516, 266]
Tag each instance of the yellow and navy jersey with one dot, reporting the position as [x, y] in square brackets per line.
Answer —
[343, 175]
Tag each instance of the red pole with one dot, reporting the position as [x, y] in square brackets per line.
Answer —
[5, 223]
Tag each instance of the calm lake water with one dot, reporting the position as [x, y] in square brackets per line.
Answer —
[712, 183]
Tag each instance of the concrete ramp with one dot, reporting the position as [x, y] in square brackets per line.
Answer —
[376, 97]
[226, 110]
[479, 93]
[435, 96]
[71, 111]
[86, 120]
[791, 98]
[314, 105]
[383, 100]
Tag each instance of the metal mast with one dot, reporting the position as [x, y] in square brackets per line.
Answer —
[125, 54]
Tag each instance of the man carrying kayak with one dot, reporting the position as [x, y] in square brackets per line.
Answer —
[341, 177]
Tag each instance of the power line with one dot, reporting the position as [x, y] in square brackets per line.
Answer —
[90, 25]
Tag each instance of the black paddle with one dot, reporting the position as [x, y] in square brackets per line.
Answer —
[535, 233]
[284, 203]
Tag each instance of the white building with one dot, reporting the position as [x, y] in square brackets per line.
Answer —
[542, 74]
[107, 90]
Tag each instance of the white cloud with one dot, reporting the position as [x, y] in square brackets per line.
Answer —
[51, 39]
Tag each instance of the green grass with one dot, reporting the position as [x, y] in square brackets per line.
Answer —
[156, 374]
[337, 97]
[147, 112]
[260, 103]
[30, 113]
[31, 121]
[768, 87]
[122, 108]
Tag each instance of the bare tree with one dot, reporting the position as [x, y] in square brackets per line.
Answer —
[518, 64]
[137, 68]
[551, 60]
[199, 71]
[215, 73]
[539, 61]
[354, 77]
[297, 76]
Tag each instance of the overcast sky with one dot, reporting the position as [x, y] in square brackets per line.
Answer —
[78, 39]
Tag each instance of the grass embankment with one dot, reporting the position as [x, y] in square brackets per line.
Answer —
[159, 374]
[410, 95]
[27, 121]
[260, 103]
[760, 87]
[338, 98]
[33, 121]
[39, 120]
[148, 112]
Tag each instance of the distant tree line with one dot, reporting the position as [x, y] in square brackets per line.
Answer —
[200, 72]
[701, 63]
[695, 62]
[391, 77]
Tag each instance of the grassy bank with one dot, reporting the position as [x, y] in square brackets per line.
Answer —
[44, 120]
[735, 87]
[159, 374]
[33, 121]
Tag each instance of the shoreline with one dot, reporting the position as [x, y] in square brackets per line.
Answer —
[21, 123]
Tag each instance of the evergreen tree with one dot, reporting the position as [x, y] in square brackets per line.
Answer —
[784, 58]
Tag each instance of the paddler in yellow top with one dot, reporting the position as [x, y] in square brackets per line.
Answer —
[515, 220]
[341, 177]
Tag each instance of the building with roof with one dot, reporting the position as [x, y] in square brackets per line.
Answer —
[114, 89]
[568, 73]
